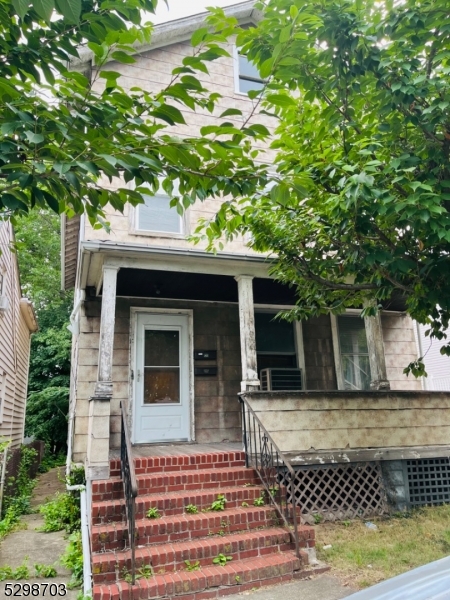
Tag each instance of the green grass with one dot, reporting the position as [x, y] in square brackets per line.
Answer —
[361, 557]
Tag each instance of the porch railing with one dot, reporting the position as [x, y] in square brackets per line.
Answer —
[274, 469]
[129, 487]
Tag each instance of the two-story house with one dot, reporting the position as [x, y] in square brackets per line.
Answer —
[166, 335]
[17, 323]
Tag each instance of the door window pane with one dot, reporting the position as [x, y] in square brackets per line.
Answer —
[162, 386]
[162, 348]
[354, 353]
[162, 367]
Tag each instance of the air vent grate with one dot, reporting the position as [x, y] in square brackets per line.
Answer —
[429, 481]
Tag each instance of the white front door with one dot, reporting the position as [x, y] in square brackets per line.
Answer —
[161, 390]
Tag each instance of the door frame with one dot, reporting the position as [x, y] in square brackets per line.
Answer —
[134, 312]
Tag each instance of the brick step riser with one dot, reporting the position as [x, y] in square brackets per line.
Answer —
[204, 584]
[163, 484]
[181, 463]
[169, 506]
[170, 562]
[152, 533]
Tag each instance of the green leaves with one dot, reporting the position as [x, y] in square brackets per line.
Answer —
[21, 7]
[44, 8]
[70, 9]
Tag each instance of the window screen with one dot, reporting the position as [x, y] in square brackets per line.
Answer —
[354, 353]
[249, 77]
[157, 215]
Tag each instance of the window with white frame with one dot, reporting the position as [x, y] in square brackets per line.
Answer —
[354, 352]
[248, 77]
[157, 216]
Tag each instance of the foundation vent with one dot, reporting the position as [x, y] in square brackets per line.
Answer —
[335, 492]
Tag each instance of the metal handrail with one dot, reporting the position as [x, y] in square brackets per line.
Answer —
[130, 487]
[274, 469]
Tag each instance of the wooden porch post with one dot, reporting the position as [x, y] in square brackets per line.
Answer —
[377, 359]
[250, 379]
[99, 405]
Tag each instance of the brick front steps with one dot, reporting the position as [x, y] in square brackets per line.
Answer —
[261, 550]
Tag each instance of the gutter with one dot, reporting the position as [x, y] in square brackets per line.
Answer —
[139, 249]
[174, 31]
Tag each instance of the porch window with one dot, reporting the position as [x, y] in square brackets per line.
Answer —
[275, 342]
[354, 353]
[157, 216]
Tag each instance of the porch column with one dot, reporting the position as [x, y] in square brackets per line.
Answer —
[250, 379]
[377, 360]
[99, 405]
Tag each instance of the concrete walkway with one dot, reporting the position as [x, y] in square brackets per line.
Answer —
[322, 587]
[37, 547]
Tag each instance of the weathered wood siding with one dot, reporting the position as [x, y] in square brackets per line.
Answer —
[400, 349]
[216, 407]
[346, 420]
[152, 71]
[319, 357]
[14, 346]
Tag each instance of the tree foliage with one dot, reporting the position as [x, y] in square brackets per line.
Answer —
[38, 246]
[359, 206]
[65, 134]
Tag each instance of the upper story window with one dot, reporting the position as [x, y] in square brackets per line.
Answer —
[157, 216]
[248, 77]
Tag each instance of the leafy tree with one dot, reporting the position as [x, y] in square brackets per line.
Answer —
[66, 134]
[38, 247]
[359, 207]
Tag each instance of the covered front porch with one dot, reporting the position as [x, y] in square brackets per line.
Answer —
[175, 338]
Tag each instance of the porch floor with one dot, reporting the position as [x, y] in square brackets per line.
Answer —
[145, 450]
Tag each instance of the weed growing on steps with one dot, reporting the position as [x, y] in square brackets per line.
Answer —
[222, 560]
[192, 566]
[219, 504]
[153, 513]
[191, 509]
[259, 501]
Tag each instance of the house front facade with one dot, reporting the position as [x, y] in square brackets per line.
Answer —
[17, 323]
[174, 333]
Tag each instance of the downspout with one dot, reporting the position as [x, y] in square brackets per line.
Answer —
[73, 327]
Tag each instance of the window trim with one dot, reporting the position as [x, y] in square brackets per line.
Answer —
[184, 220]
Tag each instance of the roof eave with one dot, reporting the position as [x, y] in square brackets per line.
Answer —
[175, 31]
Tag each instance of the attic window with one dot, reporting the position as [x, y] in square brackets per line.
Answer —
[249, 78]
[157, 216]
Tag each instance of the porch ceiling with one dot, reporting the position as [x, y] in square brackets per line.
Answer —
[197, 286]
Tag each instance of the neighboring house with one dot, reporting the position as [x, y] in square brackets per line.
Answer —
[437, 365]
[175, 333]
[17, 323]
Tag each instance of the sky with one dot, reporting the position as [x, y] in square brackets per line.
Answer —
[184, 8]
